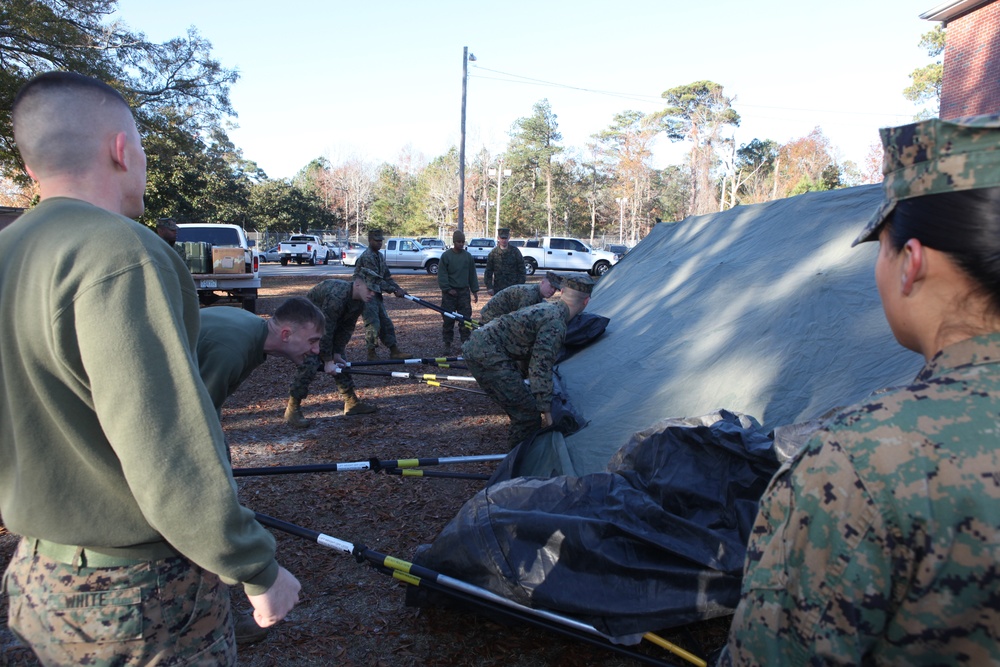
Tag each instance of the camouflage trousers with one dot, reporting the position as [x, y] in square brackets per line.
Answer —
[502, 381]
[312, 365]
[378, 326]
[165, 612]
[461, 303]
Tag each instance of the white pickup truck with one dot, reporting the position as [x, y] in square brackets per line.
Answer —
[480, 249]
[303, 248]
[232, 267]
[563, 254]
[401, 253]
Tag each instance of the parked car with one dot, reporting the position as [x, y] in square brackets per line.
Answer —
[619, 249]
[270, 255]
[403, 253]
[221, 259]
[429, 242]
[304, 248]
[480, 249]
[350, 252]
[563, 254]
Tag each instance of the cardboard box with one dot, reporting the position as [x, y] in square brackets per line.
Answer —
[228, 260]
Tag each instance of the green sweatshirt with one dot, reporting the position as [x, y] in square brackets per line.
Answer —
[457, 270]
[107, 435]
[230, 346]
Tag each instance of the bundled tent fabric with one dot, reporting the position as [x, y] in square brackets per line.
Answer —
[763, 319]
[630, 550]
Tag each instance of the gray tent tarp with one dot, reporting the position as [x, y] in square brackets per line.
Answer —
[722, 328]
[766, 310]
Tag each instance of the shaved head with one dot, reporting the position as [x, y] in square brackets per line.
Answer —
[71, 127]
[62, 119]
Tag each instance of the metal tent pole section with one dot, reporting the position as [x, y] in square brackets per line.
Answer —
[409, 376]
[471, 324]
[414, 574]
[441, 362]
[371, 464]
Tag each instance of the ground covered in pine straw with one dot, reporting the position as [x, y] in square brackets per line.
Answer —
[351, 614]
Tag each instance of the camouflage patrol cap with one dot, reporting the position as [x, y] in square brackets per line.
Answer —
[374, 234]
[580, 282]
[166, 223]
[553, 279]
[503, 233]
[372, 279]
[933, 157]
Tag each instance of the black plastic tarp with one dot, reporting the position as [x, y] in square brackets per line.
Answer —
[638, 542]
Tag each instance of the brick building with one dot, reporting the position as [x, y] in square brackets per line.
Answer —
[971, 79]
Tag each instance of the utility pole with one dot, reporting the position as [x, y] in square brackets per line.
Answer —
[501, 172]
[466, 57]
[621, 218]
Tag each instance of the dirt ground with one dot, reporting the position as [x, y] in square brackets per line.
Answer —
[350, 614]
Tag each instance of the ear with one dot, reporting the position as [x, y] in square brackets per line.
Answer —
[286, 333]
[913, 265]
[118, 151]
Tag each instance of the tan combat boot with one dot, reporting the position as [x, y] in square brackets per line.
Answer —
[372, 354]
[293, 414]
[354, 406]
[396, 353]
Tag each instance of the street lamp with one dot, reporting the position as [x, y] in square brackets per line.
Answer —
[621, 218]
[466, 57]
[499, 172]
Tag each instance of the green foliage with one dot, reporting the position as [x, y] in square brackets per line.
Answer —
[671, 186]
[533, 145]
[694, 106]
[758, 156]
[392, 208]
[829, 180]
[197, 180]
[172, 86]
[276, 205]
[927, 81]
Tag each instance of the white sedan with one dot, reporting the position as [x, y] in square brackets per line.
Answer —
[350, 252]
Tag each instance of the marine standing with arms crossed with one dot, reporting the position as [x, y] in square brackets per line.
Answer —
[879, 543]
[459, 288]
[102, 411]
[504, 265]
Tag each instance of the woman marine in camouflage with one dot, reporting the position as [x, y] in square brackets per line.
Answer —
[880, 543]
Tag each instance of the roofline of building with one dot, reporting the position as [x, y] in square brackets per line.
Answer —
[946, 11]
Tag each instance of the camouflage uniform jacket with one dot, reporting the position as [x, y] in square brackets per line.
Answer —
[504, 268]
[335, 299]
[880, 543]
[375, 261]
[510, 299]
[533, 334]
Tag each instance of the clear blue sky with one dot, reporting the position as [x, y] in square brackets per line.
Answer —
[367, 79]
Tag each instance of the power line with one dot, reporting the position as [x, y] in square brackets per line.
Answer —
[639, 97]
